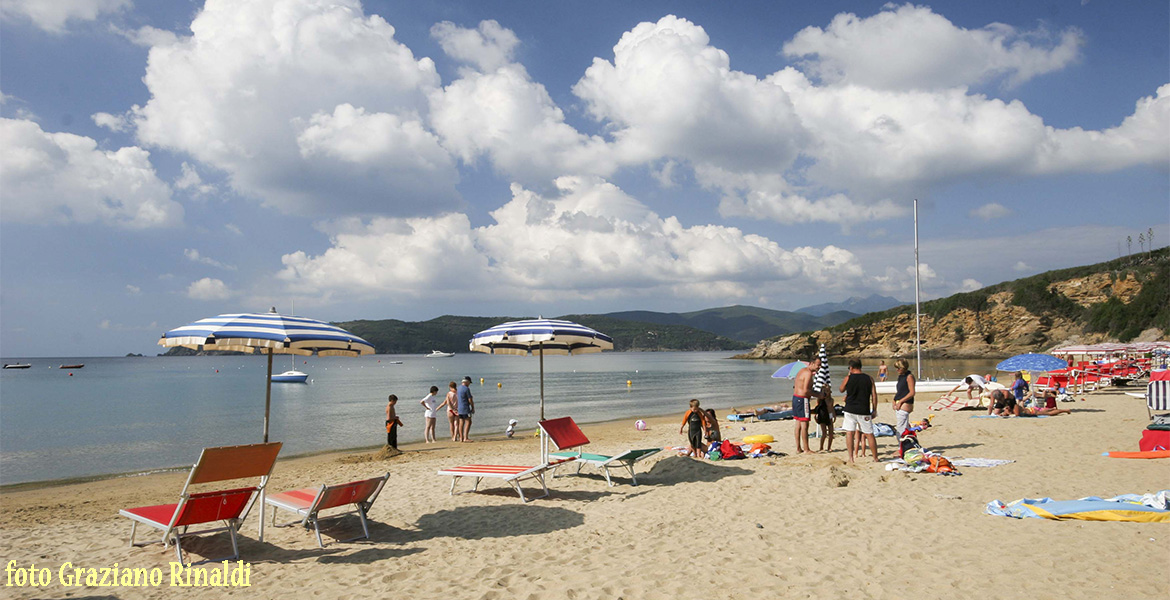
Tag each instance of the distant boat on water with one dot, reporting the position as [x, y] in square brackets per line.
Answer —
[440, 354]
[16, 365]
[70, 366]
[293, 376]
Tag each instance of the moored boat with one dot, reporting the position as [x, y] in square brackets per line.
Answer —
[78, 366]
[16, 365]
[293, 376]
[440, 354]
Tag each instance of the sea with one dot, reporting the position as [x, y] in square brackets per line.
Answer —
[133, 415]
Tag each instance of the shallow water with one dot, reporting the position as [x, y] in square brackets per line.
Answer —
[119, 415]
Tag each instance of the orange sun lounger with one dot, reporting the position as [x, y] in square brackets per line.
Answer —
[309, 502]
[563, 432]
[228, 507]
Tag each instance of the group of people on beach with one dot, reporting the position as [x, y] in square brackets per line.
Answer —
[459, 404]
[860, 409]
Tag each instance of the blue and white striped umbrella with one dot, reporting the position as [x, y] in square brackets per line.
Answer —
[264, 333]
[268, 333]
[543, 336]
[549, 336]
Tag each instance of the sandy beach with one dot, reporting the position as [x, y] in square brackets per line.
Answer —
[790, 527]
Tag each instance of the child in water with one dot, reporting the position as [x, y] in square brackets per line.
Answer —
[696, 423]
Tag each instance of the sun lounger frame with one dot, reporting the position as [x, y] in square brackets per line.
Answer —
[361, 494]
[562, 431]
[230, 507]
[624, 460]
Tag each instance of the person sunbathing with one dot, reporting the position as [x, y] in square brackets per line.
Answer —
[1048, 410]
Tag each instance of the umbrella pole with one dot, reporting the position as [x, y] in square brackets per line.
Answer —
[267, 395]
[543, 436]
[267, 403]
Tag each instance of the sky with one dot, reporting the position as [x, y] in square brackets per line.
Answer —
[162, 162]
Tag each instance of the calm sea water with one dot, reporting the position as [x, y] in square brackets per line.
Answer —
[122, 415]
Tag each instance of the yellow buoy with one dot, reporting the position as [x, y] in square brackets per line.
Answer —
[499, 385]
[629, 383]
[481, 380]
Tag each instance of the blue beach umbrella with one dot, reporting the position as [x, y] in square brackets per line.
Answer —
[789, 370]
[268, 333]
[1032, 362]
[543, 336]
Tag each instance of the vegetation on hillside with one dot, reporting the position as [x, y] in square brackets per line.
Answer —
[452, 333]
[1151, 307]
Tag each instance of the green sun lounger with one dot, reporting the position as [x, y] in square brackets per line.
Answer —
[624, 460]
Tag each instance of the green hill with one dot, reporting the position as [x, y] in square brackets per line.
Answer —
[744, 323]
[452, 333]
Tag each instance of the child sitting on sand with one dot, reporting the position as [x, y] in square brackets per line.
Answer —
[696, 422]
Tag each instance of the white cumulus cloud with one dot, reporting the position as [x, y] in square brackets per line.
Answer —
[488, 47]
[589, 240]
[274, 93]
[66, 178]
[912, 47]
[209, 289]
[53, 15]
[991, 211]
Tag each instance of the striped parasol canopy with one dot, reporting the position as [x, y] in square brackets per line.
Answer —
[547, 336]
[544, 336]
[821, 379]
[267, 333]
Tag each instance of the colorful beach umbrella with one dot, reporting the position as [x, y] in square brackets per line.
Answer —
[542, 336]
[1032, 362]
[267, 333]
[789, 370]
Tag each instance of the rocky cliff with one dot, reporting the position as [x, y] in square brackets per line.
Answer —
[1107, 302]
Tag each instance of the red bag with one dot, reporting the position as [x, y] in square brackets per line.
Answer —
[1153, 439]
[729, 450]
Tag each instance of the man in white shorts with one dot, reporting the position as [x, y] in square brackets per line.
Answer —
[860, 410]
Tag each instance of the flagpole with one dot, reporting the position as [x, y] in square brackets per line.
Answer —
[917, 310]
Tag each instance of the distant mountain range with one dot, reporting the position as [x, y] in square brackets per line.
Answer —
[726, 328]
[855, 304]
[743, 323]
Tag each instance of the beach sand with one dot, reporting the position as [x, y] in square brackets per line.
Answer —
[788, 527]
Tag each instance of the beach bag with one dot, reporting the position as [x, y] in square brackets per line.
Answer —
[939, 464]
[730, 451]
[1162, 419]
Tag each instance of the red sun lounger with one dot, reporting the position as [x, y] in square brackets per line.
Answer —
[309, 502]
[226, 507]
[563, 432]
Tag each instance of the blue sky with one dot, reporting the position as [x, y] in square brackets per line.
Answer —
[161, 162]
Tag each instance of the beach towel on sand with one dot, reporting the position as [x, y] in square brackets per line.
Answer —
[1147, 508]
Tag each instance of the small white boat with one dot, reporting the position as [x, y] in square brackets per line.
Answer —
[290, 377]
[17, 366]
[440, 354]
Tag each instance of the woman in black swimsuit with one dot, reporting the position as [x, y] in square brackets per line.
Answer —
[903, 396]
